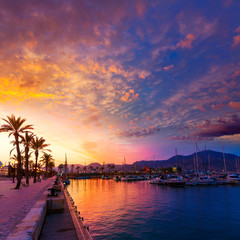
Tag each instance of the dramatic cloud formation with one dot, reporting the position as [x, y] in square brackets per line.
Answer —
[98, 79]
[221, 128]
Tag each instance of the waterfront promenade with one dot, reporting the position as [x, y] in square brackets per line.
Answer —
[16, 203]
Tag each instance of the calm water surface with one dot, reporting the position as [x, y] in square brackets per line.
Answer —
[139, 210]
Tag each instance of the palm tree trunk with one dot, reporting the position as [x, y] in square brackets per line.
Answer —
[19, 165]
[46, 168]
[27, 170]
[35, 168]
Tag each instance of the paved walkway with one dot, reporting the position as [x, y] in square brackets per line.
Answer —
[16, 203]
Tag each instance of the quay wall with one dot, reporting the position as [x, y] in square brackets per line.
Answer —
[82, 228]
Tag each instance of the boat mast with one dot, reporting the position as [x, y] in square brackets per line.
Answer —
[236, 163]
[209, 162]
[194, 164]
[225, 169]
[65, 165]
[182, 165]
[176, 159]
[205, 165]
[196, 159]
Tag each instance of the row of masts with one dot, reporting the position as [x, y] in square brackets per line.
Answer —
[196, 161]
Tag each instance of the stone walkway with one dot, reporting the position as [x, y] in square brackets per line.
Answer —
[16, 203]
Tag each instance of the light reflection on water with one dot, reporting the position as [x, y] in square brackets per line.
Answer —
[139, 210]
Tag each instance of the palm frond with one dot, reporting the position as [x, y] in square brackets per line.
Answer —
[27, 127]
[11, 151]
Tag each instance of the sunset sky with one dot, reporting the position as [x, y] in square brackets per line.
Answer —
[103, 80]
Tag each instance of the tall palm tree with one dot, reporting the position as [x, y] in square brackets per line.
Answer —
[113, 167]
[46, 159]
[78, 169]
[51, 164]
[90, 168]
[26, 141]
[109, 167]
[38, 145]
[72, 167]
[15, 127]
[60, 167]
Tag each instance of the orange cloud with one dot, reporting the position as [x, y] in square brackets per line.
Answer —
[167, 68]
[111, 126]
[236, 41]
[187, 42]
[201, 108]
[10, 90]
[236, 74]
[217, 107]
[235, 105]
[143, 74]
[129, 96]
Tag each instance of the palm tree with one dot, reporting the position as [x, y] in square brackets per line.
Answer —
[51, 164]
[38, 145]
[31, 165]
[113, 167]
[109, 167]
[90, 168]
[15, 127]
[60, 167]
[78, 169]
[46, 159]
[72, 167]
[26, 141]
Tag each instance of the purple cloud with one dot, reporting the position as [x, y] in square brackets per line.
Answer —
[221, 128]
[144, 132]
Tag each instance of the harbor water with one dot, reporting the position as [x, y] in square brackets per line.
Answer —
[139, 210]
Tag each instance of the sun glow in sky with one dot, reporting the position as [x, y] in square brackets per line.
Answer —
[104, 80]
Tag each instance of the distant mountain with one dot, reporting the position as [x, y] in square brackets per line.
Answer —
[187, 162]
